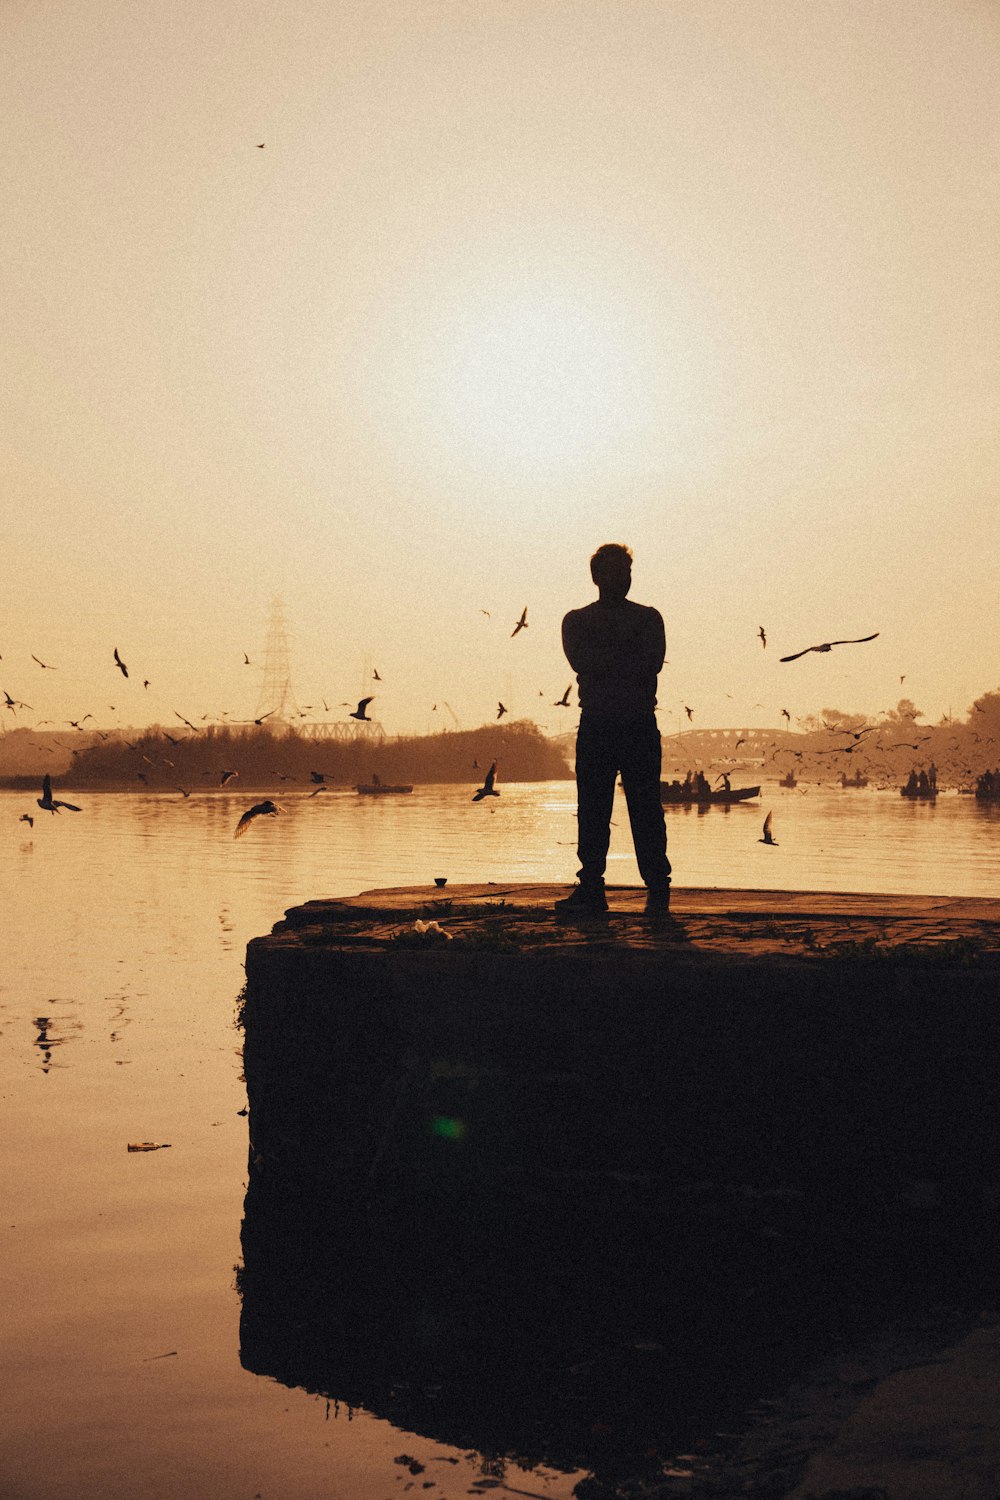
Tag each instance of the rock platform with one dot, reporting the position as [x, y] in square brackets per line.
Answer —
[601, 1186]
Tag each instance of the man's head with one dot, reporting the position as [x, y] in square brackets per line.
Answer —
[611, 570]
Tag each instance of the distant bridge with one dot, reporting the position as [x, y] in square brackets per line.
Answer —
[700, 745]
[343, 733]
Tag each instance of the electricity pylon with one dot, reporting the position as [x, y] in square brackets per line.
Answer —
[276, 696]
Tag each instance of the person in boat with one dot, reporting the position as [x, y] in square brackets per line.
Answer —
[911, 784]
[687, 783]
[932, 776]
[724, 778]
[702, 790]
[616, 648]
[923, 785]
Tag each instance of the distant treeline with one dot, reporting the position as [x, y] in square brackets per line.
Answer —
[821, 748]
[896, 742]
[267, 757]
[879, 751]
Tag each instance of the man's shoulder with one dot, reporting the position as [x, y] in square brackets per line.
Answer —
[581, 615]
[642, 614]
[645, 612]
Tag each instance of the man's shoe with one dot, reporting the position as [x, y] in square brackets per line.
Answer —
[658, 903]
[583, 900]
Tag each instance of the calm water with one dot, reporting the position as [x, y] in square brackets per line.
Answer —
[124, 930]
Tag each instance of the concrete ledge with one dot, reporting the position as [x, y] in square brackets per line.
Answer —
[760, 1025]
[736, 923]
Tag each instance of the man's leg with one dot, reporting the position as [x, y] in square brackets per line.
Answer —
[640, 763]
[596, 769]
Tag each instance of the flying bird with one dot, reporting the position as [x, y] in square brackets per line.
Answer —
[487, 789]
[317, 789]
[191, 726]
[246, 660]
[501, 710]
[829, 645]
[46, 801]
[763, 636]
[47, 665]
[14, 703]
[375, 676]
[768, 838]
[689, 712]
[260, 721]
[261, 145]
[27, 818]
[258, 809]
[522, 623]
[145, 682]
[318, 776]
[184, 793]
[227, 776]
[563, 702]
[123, 669]
[786, 714]
[359, 712]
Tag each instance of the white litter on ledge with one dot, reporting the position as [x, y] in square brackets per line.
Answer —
[431, 929]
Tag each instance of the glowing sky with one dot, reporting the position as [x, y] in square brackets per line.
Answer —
[510, 278]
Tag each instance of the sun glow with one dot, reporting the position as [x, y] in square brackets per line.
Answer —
[540, 380]
[543, 373]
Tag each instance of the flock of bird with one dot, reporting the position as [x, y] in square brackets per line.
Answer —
[260, 809]
[360, 711]
[269, 808]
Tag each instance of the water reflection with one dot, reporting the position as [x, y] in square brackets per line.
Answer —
[591, 1324]
[120, 1018]
[53, 1032]
[579, 1266]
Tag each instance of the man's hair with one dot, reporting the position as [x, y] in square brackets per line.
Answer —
[612, 554]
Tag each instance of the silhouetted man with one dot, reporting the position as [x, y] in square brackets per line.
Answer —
[616, 648]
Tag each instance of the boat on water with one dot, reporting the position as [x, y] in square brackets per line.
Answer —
[857, 780]
[789, 780]
[379, 788]
[920, 794]
[677, 793]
